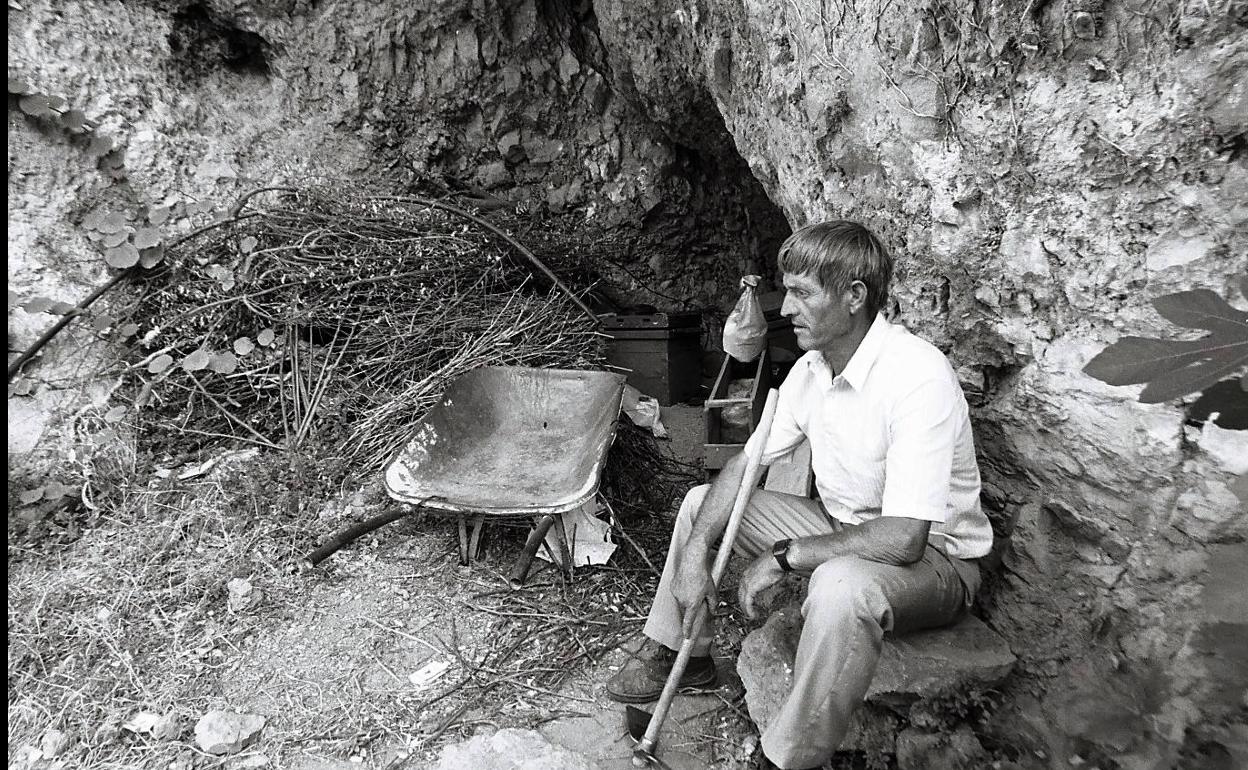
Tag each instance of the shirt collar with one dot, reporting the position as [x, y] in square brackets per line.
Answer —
[862, 360]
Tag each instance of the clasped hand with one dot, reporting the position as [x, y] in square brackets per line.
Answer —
[692, 586]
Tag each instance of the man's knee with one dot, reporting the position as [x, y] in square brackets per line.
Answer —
[845, 586]
[692, 502]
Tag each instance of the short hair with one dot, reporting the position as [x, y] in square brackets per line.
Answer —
[839, 252]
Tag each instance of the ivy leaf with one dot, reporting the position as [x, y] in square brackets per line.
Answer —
[93, 220]
[60, 308]
[247, 244]
[146, 238]
[102, 323]
[23, 387]
[123, 256]
[1202, 309]
[74, 121]
[19, 87]
[197, 361]
[113, 240]
[36, 106]
[159, 215]
[100, 145]
[1228, 399]
[112, 223]
[13, 299]
[1174, 368]
[243, 346]
[56, 490]
[160, 363]
[223, 363]
[129, 330]
[153, 256]
[115, 414]
[1224, 359]
[37, 305]
[265, 338]
[30, 496]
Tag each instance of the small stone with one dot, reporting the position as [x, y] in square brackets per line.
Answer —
[167, 728]
[242, 595]
[53, 743]
[225, 732]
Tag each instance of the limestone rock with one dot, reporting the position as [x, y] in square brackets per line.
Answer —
[242, 595]
[225, 732]
[509, 749]
[912, 667]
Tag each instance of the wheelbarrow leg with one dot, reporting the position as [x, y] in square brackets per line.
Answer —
[521, 569]
[564, 557]
[468, 543]
[474, 541]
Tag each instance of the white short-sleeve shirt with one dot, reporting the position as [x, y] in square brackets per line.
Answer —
[889, 436]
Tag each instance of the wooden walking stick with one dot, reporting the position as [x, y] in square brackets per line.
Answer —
[643, 752]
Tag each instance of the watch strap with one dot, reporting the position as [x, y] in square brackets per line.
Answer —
[781, 553]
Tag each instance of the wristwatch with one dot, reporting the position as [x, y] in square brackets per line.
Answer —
[781, 553]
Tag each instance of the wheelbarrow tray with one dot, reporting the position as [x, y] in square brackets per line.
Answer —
[511, 441]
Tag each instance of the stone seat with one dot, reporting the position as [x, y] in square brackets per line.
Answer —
[966, 657]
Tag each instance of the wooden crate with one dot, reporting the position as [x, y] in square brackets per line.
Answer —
[719, 447]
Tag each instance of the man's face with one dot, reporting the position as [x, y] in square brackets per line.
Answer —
[819, 316]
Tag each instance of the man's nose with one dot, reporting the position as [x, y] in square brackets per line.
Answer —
[788, 308]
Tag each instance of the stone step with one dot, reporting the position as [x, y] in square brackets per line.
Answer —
[967, 656]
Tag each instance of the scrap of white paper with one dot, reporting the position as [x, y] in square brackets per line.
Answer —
[589, 538]
[428, 673]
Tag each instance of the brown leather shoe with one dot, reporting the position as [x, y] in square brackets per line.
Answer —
[641, 679]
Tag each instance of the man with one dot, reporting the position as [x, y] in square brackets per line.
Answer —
[890, 543]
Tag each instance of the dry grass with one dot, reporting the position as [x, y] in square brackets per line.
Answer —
[133, 617]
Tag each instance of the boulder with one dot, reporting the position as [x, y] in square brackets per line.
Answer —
[966, 655]
[225, 732]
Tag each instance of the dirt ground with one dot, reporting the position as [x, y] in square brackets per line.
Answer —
[380, 658]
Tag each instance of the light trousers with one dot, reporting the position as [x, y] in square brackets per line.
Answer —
[850, 604]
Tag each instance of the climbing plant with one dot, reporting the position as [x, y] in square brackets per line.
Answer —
[1215, 365]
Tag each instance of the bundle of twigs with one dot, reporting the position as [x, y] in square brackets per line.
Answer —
[324, 310]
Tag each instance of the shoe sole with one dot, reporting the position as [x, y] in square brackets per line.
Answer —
[690, 688]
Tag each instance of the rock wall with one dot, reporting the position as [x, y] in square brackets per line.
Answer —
[1041, 171]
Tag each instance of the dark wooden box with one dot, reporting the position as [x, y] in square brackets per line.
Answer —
[661, 353]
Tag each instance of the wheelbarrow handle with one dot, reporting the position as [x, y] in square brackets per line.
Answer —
[346, 536]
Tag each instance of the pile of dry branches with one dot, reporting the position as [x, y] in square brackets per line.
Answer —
[318, 308]
[330, 320]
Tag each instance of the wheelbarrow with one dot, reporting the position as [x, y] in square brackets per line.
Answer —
[507, 442]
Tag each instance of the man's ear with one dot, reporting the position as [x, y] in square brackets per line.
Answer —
[857, 296]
